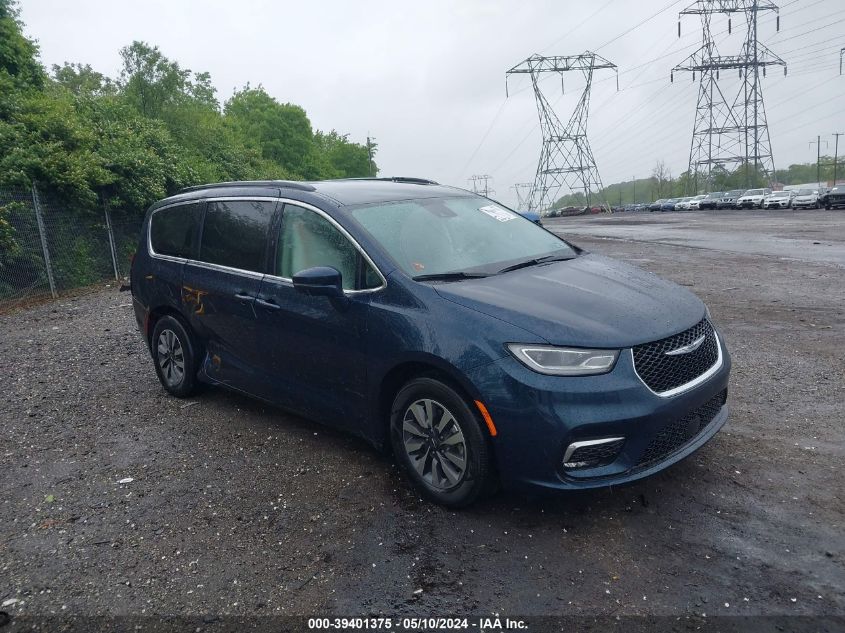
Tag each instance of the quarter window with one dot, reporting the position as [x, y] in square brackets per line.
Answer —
[234, 233]
[308, 239]
[173, 231]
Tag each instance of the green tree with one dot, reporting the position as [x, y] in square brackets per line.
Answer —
[346, 159]
[281, 132]
[83, 80]
[18, 54]
[150, 81]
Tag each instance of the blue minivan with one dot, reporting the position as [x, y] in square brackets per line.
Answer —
[480, 348]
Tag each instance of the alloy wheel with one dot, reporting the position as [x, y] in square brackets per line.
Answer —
[435, 444]
[171, 357]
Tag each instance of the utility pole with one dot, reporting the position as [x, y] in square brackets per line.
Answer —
[730, 129]
[481, 185]
[634, 179]
[818, 142]
[566, 159]
[370, 147]
[835, 153]
[841, 55]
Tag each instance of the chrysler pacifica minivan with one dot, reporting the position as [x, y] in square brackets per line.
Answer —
[480, 348]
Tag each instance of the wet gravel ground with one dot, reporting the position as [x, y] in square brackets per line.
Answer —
[118, 499]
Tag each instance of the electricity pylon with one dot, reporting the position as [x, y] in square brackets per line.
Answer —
[566, 159]
[481, 185]
[730, 130]
[523, 195]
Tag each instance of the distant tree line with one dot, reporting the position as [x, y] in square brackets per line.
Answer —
[661, 183]
[152, 130]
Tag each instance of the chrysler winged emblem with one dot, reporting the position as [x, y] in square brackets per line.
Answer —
[686, 349]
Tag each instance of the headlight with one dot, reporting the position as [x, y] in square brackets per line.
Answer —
[564, 361]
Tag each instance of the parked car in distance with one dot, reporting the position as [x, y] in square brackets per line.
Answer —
[683, 204]
[833, 199]
[729, 198]
[806, 198]
[778, 200]
[752, 199]
[530, 215]
[655, 206]
[669, 204]
[711, 200]
[695, 201]
[476, 346]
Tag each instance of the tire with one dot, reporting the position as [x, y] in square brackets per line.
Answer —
[172, 341]
[452, 467]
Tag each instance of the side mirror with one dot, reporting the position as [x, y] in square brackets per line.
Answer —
[320, 281]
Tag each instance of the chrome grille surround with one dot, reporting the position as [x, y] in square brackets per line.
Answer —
[666, 372]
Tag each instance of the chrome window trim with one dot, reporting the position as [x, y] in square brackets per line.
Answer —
[252, 273]
[692, 383]
[576, 445]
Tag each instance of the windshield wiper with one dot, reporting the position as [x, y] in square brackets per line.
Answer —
[534, 262]
[452, 276]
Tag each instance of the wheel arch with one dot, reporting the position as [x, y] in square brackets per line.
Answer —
[403, 372]
[157, 313]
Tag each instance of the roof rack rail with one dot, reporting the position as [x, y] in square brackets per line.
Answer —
[286, 184]
[406, 179]
[410, 180]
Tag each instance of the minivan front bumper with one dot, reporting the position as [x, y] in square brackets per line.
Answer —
[539, 417]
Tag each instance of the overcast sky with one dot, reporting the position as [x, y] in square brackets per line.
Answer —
[427, 79]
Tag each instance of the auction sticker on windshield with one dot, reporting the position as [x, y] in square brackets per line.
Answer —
[498, 213]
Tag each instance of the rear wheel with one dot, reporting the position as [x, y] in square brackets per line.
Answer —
[175, 357]
[438, 442]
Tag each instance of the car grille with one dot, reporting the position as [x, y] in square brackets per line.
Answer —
[682, 431]
[662, 373]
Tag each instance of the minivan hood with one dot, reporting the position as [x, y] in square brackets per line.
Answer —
[589, 301]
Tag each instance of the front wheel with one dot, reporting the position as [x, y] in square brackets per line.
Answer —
[438, 442]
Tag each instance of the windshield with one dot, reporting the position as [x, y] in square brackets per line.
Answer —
[755, 192]
[715, 194]
[805, 192]
[433, 236]
[780, 194]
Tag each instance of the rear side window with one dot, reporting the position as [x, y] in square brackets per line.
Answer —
[235, 233]
[173, 231]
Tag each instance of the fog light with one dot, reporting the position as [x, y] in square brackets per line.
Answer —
[592, 453]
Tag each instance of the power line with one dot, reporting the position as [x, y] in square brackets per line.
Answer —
[577, 26]
[639, 24]
[486, 134]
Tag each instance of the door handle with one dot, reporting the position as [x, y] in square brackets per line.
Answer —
[243, 297]
[267, 304]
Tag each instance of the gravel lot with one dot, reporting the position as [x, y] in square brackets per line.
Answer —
[234, 507]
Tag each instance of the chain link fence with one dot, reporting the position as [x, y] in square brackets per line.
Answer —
[47, 249]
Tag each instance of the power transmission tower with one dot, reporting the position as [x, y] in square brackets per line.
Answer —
[566, 159]
[730, 130]
[523, 195]
[482, 185]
